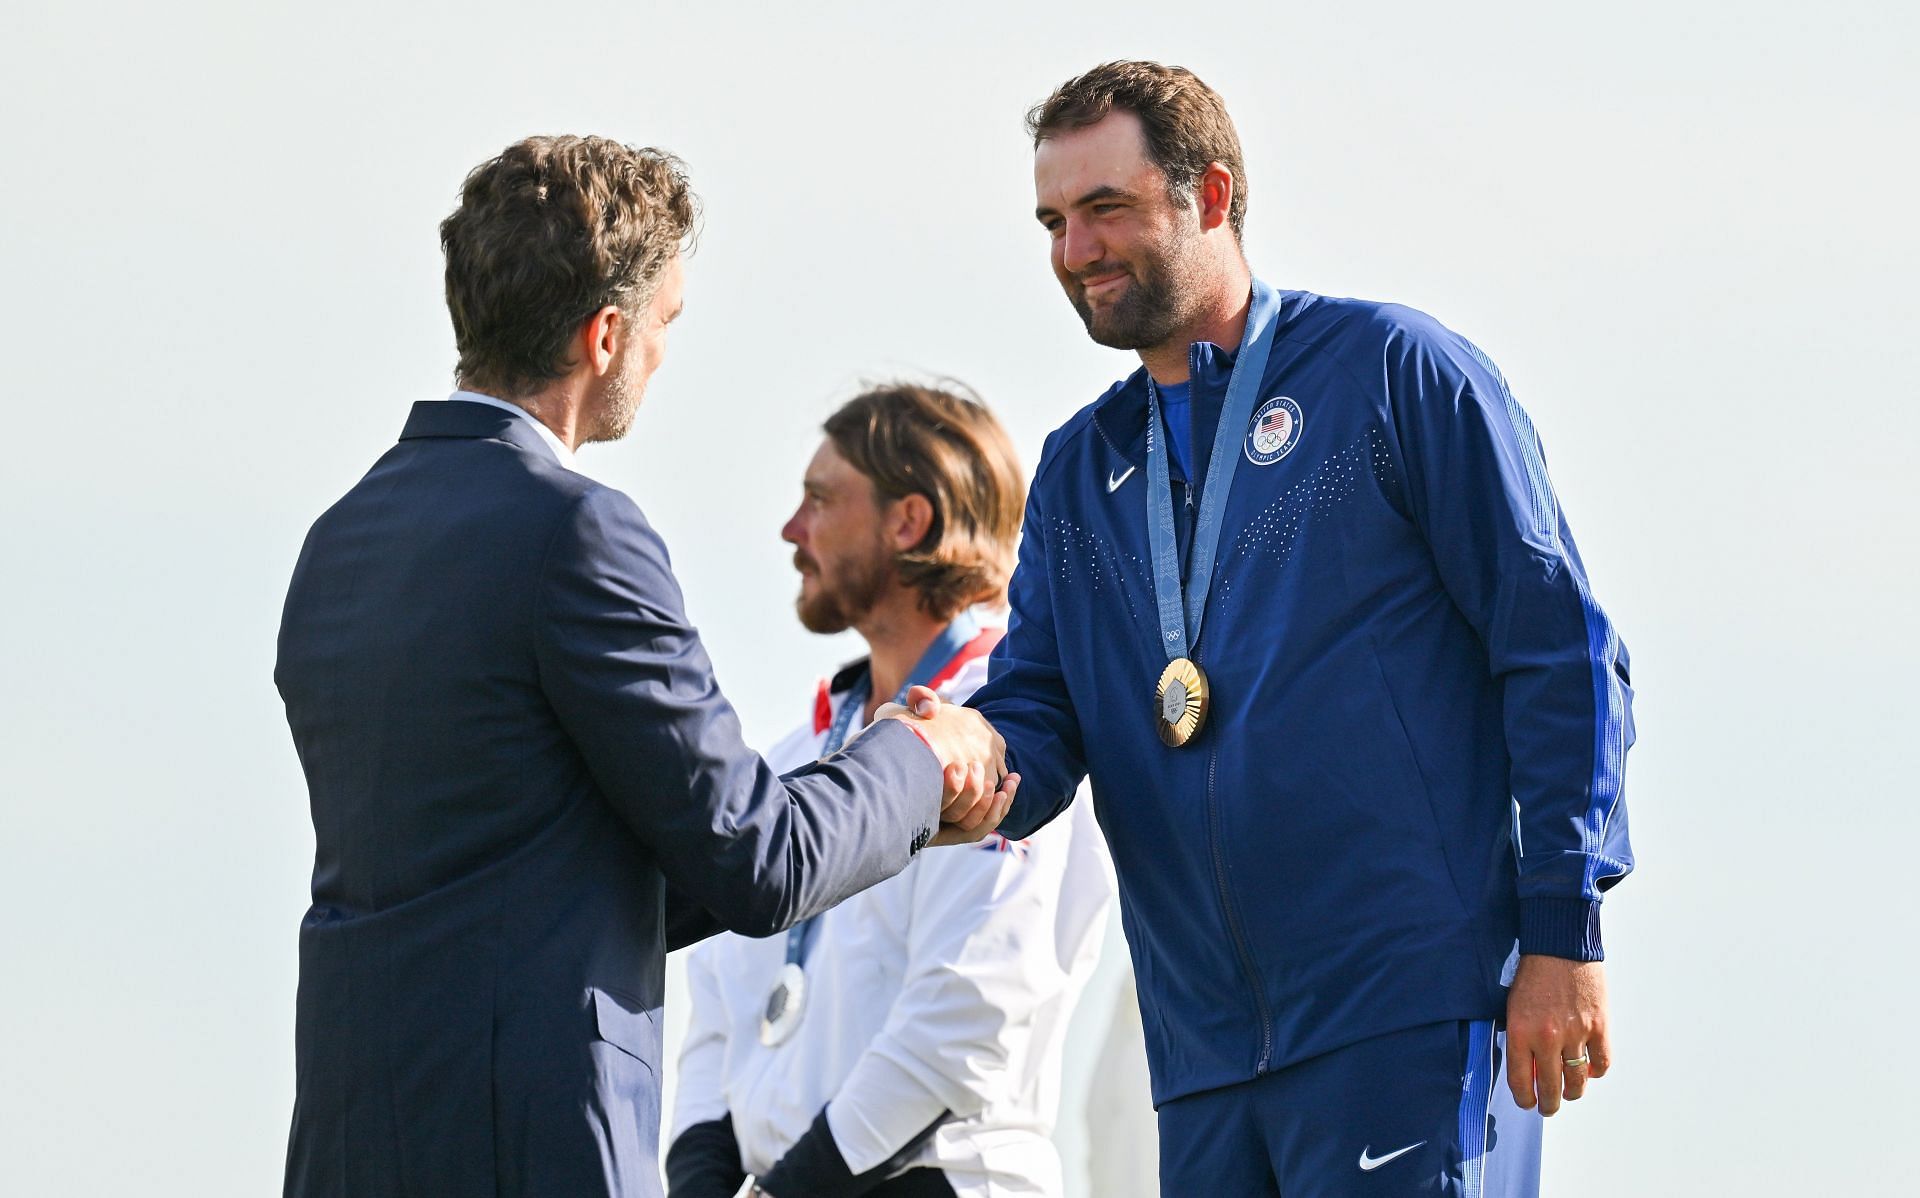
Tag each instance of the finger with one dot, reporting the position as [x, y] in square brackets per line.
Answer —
[1574, 1079]
[997, 805]
[1601, 1051]
[977, 783]
[971, 824]
[971, 799]
[1519, 1071]
[1010, 786]
[968, 784]
[953, 781]
[1548, 1072]
[994, 809]
[922, 701]
[1002, 803]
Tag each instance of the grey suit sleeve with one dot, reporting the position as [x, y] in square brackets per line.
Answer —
[633, 688]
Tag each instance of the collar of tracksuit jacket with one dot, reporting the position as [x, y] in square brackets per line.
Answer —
[1121, 417]
[1121, 420]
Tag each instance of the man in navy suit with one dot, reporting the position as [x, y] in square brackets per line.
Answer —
[526, 786]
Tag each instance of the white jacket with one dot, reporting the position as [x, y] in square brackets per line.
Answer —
[945, 988]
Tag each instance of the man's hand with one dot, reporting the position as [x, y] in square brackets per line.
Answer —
[978, 790]
[980, 820]
[1556, 1013]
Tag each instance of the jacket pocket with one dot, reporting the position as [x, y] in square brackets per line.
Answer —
[623, 1023]
[1416, 775]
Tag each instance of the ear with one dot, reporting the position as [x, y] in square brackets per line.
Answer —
[1214, 194]
[909, 521]
[601, 338]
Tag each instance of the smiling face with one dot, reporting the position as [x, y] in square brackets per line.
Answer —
[840, 544]
[1128, 251]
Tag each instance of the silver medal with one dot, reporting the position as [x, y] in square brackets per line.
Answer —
[786, 1003]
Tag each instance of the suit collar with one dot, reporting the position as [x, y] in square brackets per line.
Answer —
[458, 419]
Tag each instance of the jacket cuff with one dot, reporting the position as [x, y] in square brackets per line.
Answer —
[813, 1168]
[1561, 927]
[902, 742]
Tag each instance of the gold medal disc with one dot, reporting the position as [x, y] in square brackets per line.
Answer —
[1180, 705]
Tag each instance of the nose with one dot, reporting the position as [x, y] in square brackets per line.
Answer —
[1079, 246]
[794, 530]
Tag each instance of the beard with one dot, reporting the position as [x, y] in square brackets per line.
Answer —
[1154, 307]
[619, 405]
[837, 602]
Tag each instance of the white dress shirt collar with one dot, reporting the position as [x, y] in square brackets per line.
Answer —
[559, 447]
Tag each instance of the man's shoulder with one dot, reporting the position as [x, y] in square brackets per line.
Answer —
[572, 513]
[513, 513]
[476, 466]
[1367, 332]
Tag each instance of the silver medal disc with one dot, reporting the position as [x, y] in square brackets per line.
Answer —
[786, 1002]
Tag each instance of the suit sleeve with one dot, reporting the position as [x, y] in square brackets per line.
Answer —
[1477, 486]
[688, 923]
[1025, 697]
[633, 688]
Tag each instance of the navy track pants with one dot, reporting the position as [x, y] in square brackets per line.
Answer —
[1420, 1111]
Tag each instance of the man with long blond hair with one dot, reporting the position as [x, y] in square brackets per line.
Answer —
[906, 1044]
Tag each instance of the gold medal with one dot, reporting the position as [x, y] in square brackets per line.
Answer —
[1180, 705]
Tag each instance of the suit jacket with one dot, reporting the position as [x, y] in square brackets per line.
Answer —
[526, 787]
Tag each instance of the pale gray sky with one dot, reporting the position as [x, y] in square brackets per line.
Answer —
[1684, 231]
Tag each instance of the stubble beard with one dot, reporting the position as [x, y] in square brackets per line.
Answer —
[1154, 308]
[834, 607]
[619, 406]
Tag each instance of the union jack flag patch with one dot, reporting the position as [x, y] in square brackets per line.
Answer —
[996, 843]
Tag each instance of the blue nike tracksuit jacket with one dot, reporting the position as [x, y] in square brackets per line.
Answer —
[1420, 715]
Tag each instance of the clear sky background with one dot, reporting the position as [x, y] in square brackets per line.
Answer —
[1685, 231]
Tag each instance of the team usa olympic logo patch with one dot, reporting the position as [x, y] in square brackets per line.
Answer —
[1275, 431]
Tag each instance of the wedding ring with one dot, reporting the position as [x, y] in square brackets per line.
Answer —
[1579, 1062]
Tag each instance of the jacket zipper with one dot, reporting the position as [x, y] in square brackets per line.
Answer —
[1247, 967]
[1227, 909]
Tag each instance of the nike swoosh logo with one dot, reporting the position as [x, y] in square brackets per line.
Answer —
[1369, 1163]
[1114, 480]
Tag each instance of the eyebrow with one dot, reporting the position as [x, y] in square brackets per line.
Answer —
[1106, 191]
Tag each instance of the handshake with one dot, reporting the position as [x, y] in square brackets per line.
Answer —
[978, 790]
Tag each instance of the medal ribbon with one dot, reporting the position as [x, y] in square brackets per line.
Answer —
[952, 641]
[1182, 608]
